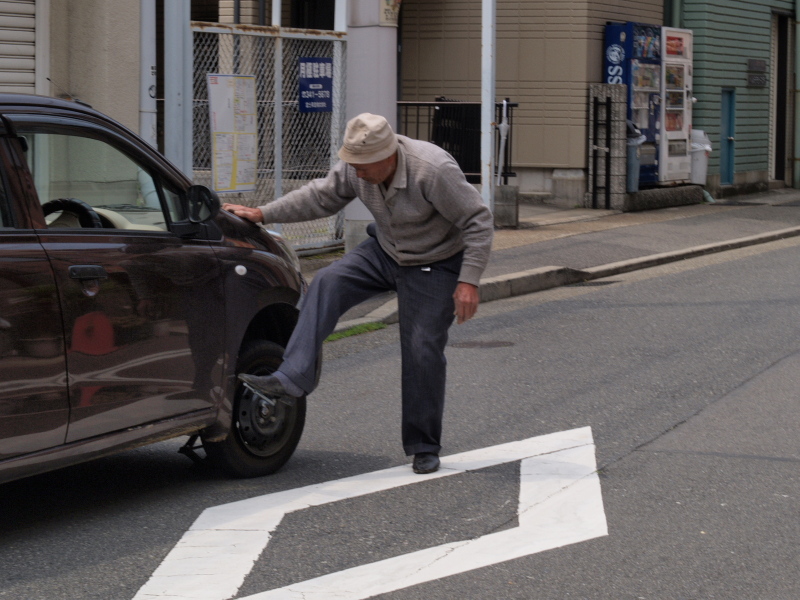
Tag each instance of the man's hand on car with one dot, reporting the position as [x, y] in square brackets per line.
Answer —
[246, 212]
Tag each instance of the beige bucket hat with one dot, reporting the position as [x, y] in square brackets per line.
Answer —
[368, 139]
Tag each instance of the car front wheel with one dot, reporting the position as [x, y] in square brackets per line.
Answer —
[263, 436]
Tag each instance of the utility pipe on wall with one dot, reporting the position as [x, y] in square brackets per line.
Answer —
[677, 8]
[796, 157]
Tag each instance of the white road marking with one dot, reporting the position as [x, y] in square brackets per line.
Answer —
[560, 503]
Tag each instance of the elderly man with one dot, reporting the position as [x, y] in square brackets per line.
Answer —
[430, 244]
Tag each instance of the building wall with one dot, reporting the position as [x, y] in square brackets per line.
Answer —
[726, 34]
[548, 52]
[650, 12]
[95, 55]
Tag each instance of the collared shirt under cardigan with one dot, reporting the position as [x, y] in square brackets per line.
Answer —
[428, 212]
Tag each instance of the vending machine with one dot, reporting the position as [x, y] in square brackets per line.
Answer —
[655, 63]
[675, 160]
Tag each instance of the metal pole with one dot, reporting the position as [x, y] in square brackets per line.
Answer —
[278, 125]
[237, 40]
[147, 73]
[188, 90]
[488, 12]
[595, 115]
[178, 72]
[339, 57]
[276, 14]
[608, 153]
[796, 157]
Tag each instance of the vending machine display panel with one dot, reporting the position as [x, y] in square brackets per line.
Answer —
[655, 63]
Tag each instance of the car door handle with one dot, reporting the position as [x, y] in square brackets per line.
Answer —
[86, 272]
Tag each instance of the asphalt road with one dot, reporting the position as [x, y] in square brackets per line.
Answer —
[686, 375]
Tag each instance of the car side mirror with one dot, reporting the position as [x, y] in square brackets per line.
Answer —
[203, 203]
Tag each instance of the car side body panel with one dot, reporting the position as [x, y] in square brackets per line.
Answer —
[144, 343]
[34, 404]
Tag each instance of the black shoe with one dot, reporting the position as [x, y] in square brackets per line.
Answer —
[425, 462]
[268, 387]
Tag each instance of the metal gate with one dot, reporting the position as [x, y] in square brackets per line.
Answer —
[293, 147]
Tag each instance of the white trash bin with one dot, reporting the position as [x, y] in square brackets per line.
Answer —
[701, 150]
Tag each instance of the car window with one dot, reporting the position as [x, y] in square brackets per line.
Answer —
[70, 170]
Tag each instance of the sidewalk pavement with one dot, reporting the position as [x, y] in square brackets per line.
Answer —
[554, 246]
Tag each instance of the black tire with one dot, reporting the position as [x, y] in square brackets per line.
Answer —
[259, 442]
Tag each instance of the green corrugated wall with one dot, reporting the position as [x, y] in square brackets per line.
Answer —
[726, 34]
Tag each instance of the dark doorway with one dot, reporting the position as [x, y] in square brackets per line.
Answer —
[781, 97]
[313, 14]
[205, 10]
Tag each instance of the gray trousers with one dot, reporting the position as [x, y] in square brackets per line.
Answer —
[426, 307]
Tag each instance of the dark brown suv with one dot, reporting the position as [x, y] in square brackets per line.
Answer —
[129, 302]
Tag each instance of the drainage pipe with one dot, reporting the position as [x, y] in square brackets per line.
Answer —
[675, 17]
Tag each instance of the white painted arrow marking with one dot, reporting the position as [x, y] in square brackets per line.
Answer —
[560, 503]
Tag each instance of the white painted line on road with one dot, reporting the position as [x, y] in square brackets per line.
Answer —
[560, 503]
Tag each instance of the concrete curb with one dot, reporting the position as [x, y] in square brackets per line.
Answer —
[527, 282]
[545, 278]
[654, 260]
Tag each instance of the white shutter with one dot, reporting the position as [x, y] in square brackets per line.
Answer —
[17, 46]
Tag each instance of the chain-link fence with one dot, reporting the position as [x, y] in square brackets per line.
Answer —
[293, 146]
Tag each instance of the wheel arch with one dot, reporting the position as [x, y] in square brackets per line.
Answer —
[273, 322]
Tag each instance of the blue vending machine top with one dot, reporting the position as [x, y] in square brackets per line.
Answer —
[633, 57]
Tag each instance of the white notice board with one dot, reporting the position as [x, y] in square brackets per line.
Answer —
[234, 133]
